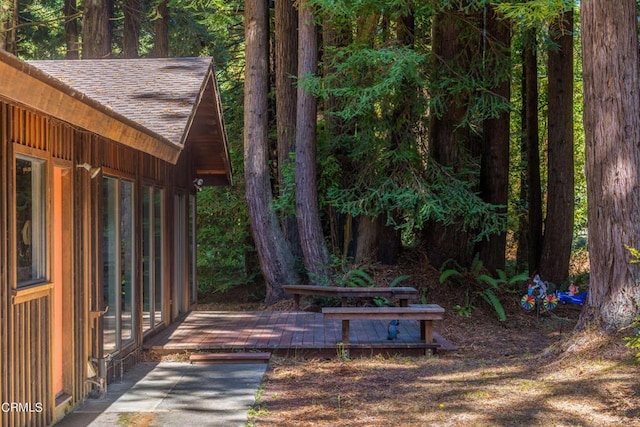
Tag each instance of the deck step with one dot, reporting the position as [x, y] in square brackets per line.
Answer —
[444, 344]
[257, 357]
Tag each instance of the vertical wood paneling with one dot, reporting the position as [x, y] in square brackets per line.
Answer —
[25, 328]
[4, 310]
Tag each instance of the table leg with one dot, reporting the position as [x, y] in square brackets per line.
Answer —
[427, 331]
[345, 332]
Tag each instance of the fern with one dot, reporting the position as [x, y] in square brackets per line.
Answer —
[490, 297]
[399, 280]
[448, 273]
[358, 278]
[485, 278]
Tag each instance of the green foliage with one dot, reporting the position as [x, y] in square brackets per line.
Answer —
[634, 341]
[533, 13]
[490, 297]
[476, 281]
[635, 254]
[222, 239]
[40, 32]
[398, 280]
[353, 278]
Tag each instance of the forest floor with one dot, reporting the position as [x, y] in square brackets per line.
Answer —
[530, 370]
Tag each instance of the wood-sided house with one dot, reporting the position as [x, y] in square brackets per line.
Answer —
[100, 163]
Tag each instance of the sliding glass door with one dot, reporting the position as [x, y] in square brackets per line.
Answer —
[152, 258]
[118, 256]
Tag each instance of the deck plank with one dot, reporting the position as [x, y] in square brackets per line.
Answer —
[282, 332]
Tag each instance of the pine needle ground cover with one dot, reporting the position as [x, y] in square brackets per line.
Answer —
[522, 374]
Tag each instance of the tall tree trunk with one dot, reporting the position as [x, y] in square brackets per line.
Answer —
[8, 25]
[71, 29]
[286, 53]
[494, 165]
[530, 240]
[96, 29]
[368, 239]
[448, 140]
[131, 11]
[404, 115]
[161, 29]
[558, 229]
[341, 225]
[612, 131]
[314, 248]
[275, 257]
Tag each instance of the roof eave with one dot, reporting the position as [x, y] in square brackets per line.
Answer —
[26, 85]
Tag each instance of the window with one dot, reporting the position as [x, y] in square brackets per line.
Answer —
[152, 289]
[118, 257]
[31, 221]
[193, 282]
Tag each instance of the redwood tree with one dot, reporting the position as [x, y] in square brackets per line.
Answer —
[71, 29]
[132, 18]
[558, 226]
[530, 227]
[612, 133]
[450, 137]
[314, 248]
[286, 59]
[275, 257]
[8, 25]
[161, 29]
[96, 29]
[494, 165]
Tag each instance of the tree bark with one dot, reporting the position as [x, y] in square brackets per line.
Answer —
[612, 133]
[343, 237]
[448, 140]
[96, 29]
[368, 239]
[286, 59]
[131, 11]
[276, 260]
[316, 254]
[8, 25]
[558, 229]
[71, 29]
[494, 165]
[161, 29]
[530, 232]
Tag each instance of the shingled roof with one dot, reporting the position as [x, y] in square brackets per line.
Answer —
[156, 105]
[159, 94]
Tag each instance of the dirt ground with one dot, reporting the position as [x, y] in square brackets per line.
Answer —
[529, 373]
[531, 370]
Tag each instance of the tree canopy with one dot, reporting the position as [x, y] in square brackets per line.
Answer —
[455, 127]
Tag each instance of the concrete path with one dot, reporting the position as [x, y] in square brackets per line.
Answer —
[174, 394]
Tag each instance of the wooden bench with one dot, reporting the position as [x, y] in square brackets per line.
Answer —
[425, 313]
[402, 293]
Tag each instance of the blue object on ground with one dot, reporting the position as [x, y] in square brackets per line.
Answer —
[566, 298]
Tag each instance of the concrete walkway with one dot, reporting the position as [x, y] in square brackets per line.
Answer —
[174, 394]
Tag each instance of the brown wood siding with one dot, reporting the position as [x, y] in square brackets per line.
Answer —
[26, 319]
[118, 159]
[5, 324]
[26, 331]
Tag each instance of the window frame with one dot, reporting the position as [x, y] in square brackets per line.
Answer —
[119, 329]
[153, 229]
[38, 229]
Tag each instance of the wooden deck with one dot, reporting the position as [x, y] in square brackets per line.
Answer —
[286, 334]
